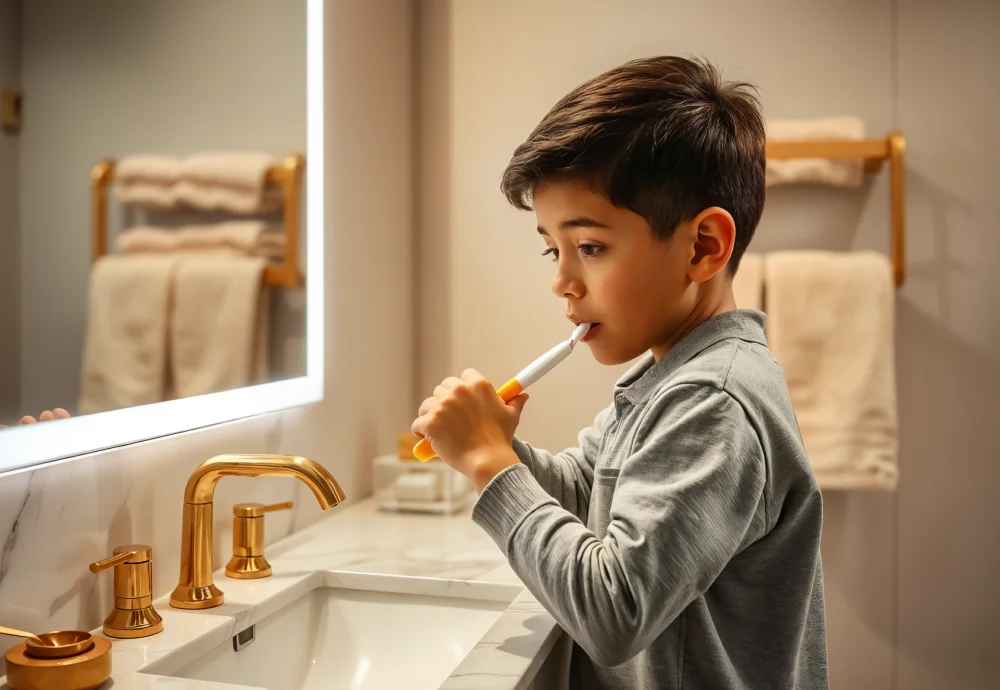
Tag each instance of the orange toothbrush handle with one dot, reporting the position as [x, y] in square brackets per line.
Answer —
[507, 392]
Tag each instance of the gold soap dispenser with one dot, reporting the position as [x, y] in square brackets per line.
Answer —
[248, 562]
[133, 615]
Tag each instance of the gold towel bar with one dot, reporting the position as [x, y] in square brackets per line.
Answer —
[873, 152]
[287, 175]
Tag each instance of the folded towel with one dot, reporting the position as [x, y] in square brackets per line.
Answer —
[748, 283]
[124, 356]
[235, 182]
[235, 238]
[148, 180]
[830, 326]
[161, 170]
[842, 173]
[219, 325]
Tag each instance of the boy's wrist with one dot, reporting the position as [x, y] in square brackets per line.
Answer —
[488, 463]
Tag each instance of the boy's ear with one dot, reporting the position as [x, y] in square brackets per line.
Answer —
[715, 237]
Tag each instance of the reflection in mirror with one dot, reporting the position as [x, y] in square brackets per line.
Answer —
[152, 181]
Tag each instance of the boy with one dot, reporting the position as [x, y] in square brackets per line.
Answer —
[678, 545]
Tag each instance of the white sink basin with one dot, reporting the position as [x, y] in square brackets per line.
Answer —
[339, 639]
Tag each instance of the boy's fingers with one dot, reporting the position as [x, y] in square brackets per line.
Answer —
[46, 416]
[471, 375]
[28, 419]
[518, 402]
[426, 406]
[61, 413]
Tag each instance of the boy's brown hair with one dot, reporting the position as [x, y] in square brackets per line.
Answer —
[664, 137]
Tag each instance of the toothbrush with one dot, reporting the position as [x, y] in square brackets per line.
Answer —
[514, 387]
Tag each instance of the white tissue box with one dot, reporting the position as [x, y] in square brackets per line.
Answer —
[419, 487]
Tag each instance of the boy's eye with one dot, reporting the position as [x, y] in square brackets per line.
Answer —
[590, 250]
[553, 252]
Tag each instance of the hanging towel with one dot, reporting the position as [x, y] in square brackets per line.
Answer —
[125, 346]
[148, 180]
[234, 182]
[748, 283]
[235, 238]
[841, 173]
[219, 329]
[830, 326]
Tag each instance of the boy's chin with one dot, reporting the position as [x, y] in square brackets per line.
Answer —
[610, 356]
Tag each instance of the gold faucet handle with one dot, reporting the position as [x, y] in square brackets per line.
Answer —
[123, 554]
[248, 562]
[133, 614]
[255, 510]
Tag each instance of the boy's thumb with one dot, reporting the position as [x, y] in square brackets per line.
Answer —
[519, 402]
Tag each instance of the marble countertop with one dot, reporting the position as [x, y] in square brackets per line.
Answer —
[359, 547]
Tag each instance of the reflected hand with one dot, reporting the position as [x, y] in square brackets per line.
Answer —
[47, 416]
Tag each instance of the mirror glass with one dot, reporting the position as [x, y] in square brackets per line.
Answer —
[173, 289]
[155, 225]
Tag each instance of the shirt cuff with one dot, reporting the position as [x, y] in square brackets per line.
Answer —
[509, 498]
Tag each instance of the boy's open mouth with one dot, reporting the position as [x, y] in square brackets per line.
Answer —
[594, 327]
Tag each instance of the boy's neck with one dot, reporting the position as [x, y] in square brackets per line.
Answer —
[710, 304]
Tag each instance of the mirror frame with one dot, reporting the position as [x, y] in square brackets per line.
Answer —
[29, 446]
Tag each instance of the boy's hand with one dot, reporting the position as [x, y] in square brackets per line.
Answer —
[47, 416]
[470, 427]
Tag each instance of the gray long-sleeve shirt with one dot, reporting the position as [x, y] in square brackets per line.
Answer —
[678, 545]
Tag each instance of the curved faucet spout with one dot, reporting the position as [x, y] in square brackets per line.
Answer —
[196, 588]
[201, 485]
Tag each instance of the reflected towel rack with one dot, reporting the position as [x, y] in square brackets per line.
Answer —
[286, 175]
[874, 152]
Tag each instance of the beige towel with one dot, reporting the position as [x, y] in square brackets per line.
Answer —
[841, 173]
[830, 326]
[748, 283]
[235, 238]
[148, 180]
[219, 325]
[125, 346]
[234, 182]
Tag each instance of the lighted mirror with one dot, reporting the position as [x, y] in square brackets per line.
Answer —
[161, 218]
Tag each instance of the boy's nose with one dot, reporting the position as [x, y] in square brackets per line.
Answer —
[566, 285]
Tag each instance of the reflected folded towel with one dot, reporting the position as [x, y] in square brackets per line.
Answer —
[234, 238]
[124, 355]
[748, 283]
[841, 173]
[235, 182]
[148, 180]
[219, 325]
[830, 326]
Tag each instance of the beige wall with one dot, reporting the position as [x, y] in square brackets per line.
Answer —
[54, 520]
[910, 577]
[117, 78]
[10, 244]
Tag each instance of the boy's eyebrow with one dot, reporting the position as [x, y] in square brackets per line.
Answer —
[579, 222]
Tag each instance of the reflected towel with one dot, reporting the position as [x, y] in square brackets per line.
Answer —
[235, 238]
[830, 326]
[235, 182]
[219, 325]
[148, 180]
[125, 345]
[748, 283]
[841, 173]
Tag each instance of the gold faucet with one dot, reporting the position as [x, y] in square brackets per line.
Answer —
[195, 588]
[133, 615]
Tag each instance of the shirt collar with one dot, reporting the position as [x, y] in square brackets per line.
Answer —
[645, 377]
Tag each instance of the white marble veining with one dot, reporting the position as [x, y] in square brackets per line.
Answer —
[358, 547]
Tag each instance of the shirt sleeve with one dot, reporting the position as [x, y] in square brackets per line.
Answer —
[568, 476]
[684, 503]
